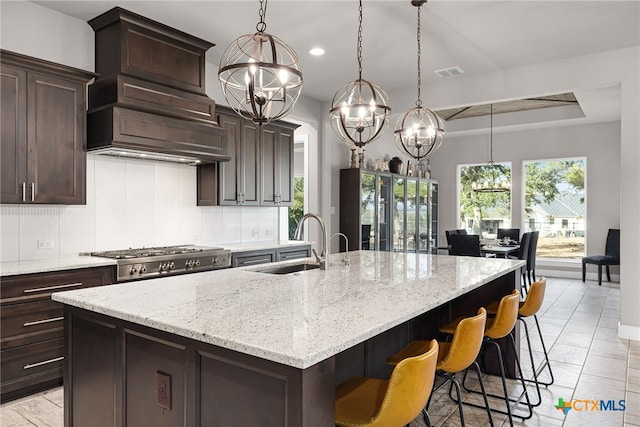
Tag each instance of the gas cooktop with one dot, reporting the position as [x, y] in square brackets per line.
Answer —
[146, 263]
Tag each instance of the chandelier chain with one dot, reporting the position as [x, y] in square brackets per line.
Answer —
[419, 101]
[360, 42]
[262, 26]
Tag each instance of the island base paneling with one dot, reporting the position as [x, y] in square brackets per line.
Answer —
[112, 366]
[111, 380]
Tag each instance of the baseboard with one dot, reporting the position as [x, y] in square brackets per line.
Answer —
[628, 332]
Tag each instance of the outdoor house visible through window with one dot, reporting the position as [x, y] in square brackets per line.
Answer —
[555, 205]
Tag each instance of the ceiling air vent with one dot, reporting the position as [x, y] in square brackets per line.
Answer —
[449, 72]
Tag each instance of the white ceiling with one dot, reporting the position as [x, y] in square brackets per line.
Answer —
[478, 36]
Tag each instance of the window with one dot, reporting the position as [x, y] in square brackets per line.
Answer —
[555, 206]
[483, 212]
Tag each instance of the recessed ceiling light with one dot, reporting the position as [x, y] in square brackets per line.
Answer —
[316, 51]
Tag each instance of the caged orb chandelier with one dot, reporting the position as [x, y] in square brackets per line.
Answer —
[260, 75]
[419, 132]
[497, 183]
[360, 109]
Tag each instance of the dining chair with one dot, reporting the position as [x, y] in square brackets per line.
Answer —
[465, 245]
[523, 254]
[511, 233]
[611, 256]
[531, 257]
[448, 233]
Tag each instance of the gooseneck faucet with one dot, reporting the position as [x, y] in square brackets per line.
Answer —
[345, 258]
[324, 255]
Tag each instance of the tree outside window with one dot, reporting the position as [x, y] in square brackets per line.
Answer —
[483, 213]
[555, 206]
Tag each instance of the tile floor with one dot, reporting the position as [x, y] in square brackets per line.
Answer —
[589, 362]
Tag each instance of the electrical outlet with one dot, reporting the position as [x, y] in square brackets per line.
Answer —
[163, 389]
[45, 244]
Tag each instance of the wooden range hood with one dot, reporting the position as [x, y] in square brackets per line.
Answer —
[149, 100]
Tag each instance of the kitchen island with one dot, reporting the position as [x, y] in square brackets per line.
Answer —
[244, 347]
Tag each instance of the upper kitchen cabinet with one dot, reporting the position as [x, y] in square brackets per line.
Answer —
[260, 172]
[43, 124]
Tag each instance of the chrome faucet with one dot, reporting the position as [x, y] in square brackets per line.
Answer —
[345, 258]
[324, 255]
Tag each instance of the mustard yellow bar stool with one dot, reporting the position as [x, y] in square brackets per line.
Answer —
[454, 356]
[496, 328]
[529, 308]
[372, 402]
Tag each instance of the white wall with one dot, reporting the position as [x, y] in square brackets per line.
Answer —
[130, 203]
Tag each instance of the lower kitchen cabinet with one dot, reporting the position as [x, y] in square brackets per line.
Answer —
[264, 256]
[31, 328]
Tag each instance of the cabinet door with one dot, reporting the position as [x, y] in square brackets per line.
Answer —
[268, 193]
[229, 174]
[13, 128]
[56, 140]
[277, 166]
[284, 171]
[250, 163]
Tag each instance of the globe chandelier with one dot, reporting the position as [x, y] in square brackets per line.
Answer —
[419, 132]
[260, 75]
[360, 109]
[496, 182]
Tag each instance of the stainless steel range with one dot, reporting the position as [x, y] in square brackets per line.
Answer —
[147, 263]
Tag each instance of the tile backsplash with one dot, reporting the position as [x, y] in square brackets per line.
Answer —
[130, 203]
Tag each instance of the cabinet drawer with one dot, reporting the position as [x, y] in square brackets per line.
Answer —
[253, 258]
[30, 287]
[31, 322]
[293, 254]
[31, 364]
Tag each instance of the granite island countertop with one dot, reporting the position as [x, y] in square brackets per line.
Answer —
[296, 319]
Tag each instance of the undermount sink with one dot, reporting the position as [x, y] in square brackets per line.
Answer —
[286, 269]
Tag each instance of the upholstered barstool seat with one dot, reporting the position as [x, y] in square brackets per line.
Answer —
[373, 402]
[530, 308]
[454, 356]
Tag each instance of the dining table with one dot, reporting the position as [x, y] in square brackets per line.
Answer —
[500, 250]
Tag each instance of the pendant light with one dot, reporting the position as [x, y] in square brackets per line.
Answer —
[360, 109]
[260, 75]
[495, 183]
[419, 132]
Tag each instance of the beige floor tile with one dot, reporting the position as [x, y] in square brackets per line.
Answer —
[602, 367]
[613, 349]
[632, 412]
[49, 419]
[608, 322]
[594, 419]
[55, 396]
[10, 417]
[608, 334]
[32, 407]
[577, 339]
[568, 354]
[633, 380]
[596, 387]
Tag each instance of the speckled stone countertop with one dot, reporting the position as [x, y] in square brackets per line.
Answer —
[297, 319]
[13, 268]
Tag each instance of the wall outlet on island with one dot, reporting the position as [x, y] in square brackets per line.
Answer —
[45, 244]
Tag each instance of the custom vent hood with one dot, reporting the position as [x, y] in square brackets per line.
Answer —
[149, 100]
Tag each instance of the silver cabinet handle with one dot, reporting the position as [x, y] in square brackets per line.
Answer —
[44, 362]
[40, 322]
[33, 191]
[255, 261]
[24, 191]
[49, 288]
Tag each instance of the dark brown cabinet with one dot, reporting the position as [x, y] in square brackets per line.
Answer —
[264, 256]
[43, 131]
[31, 327]
[260, 172]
